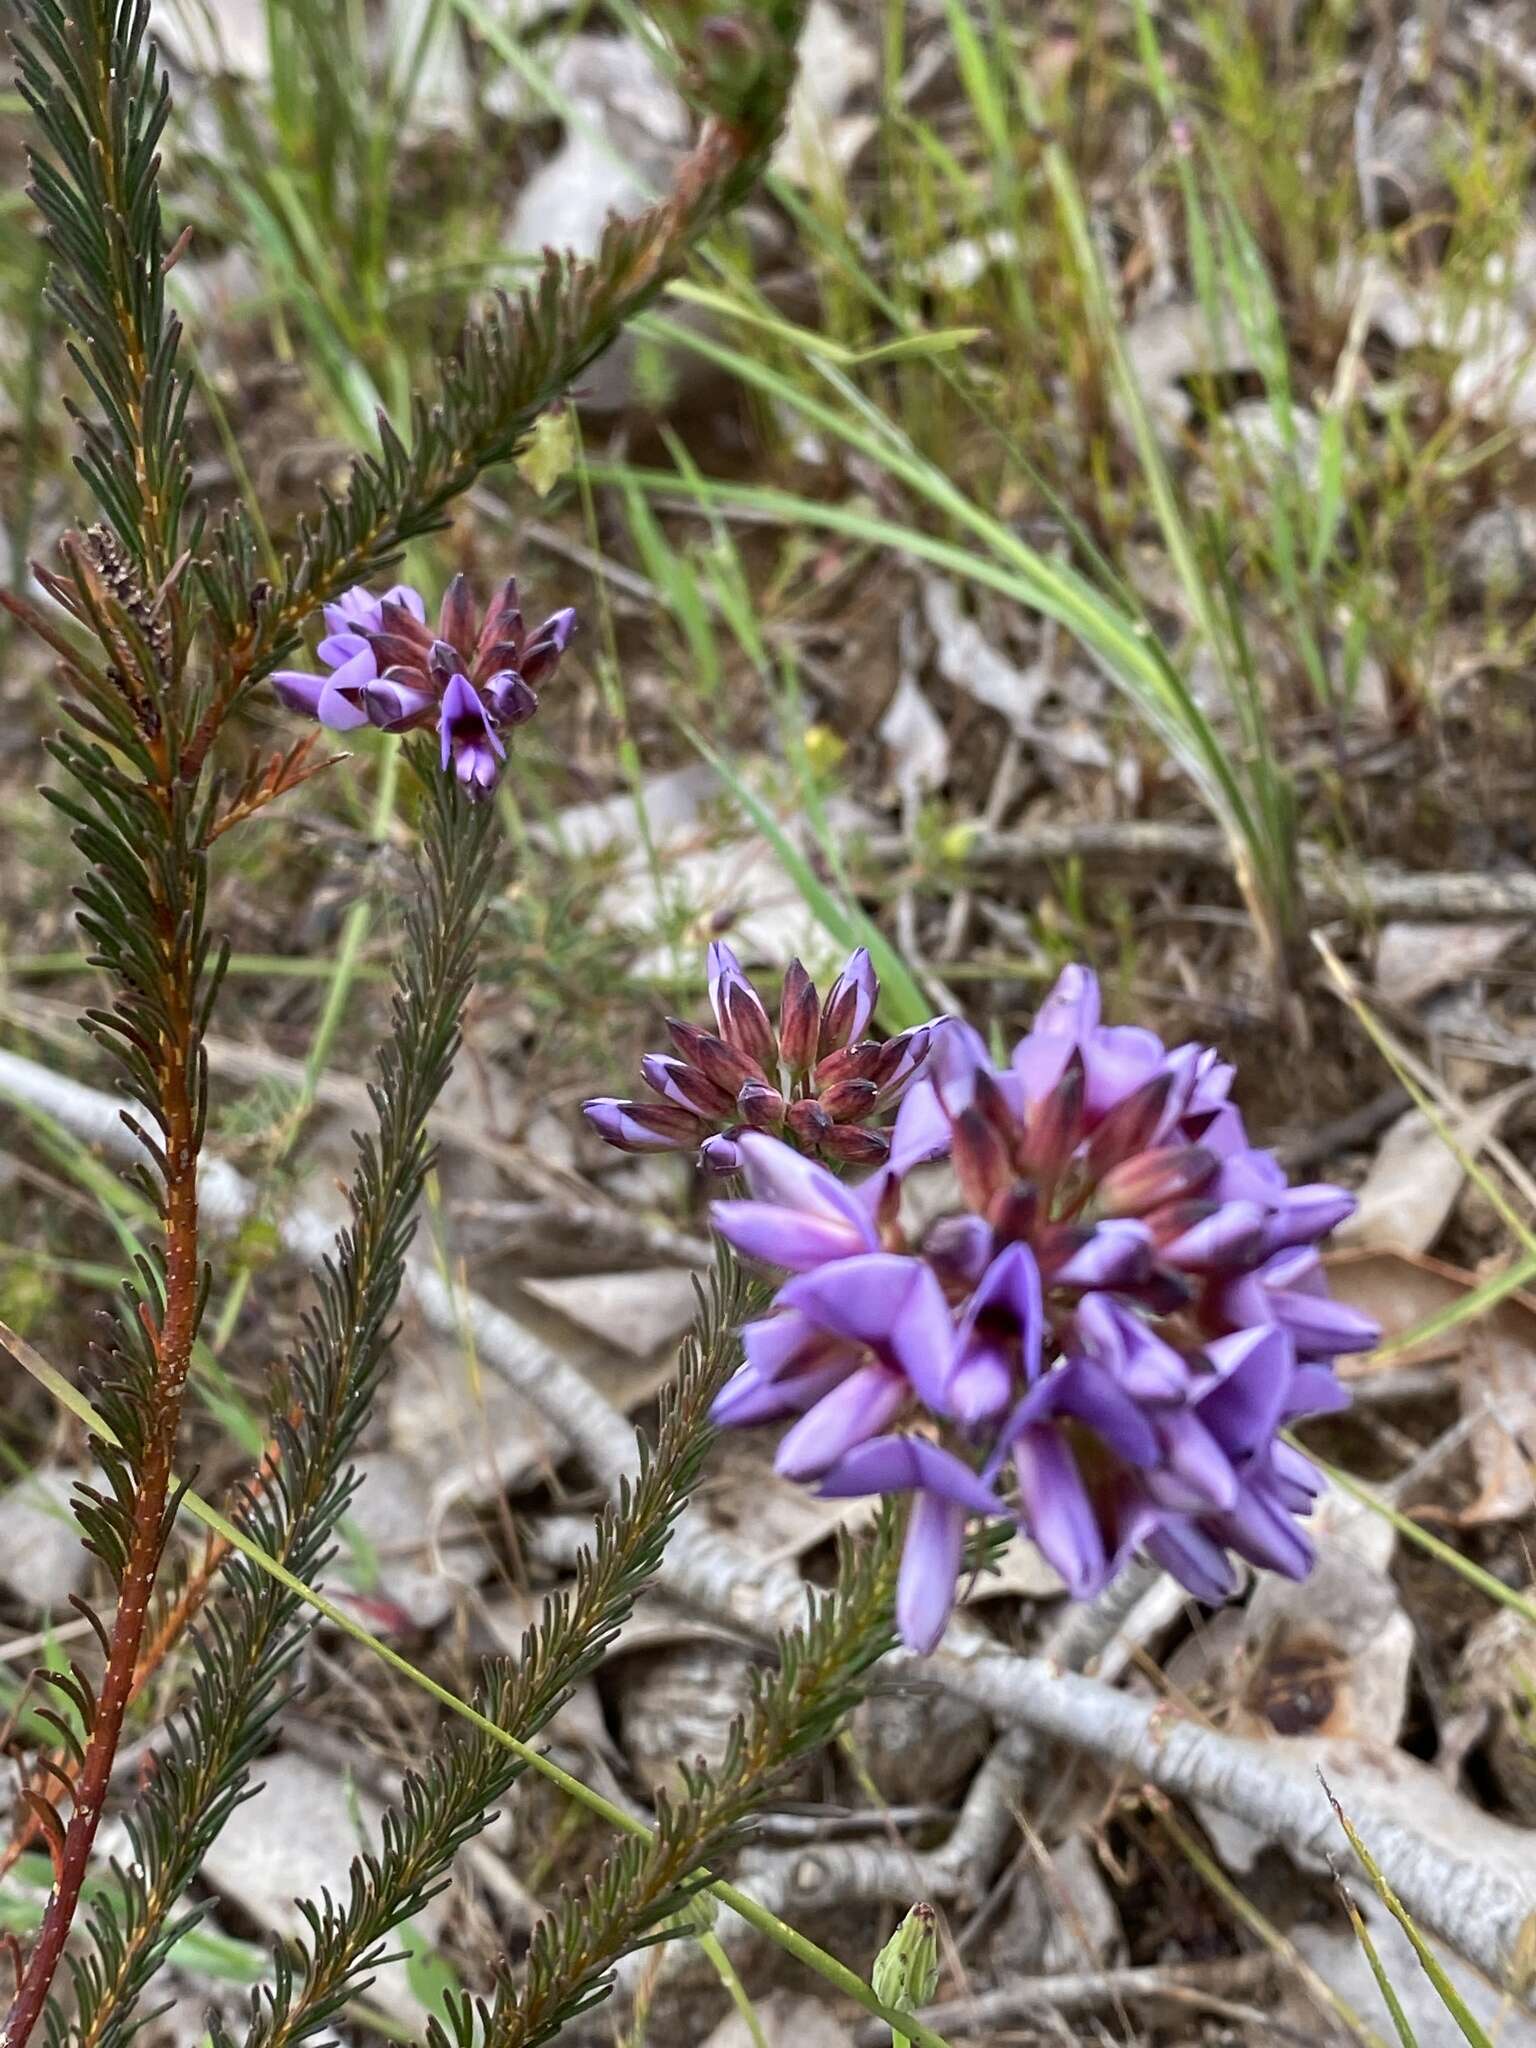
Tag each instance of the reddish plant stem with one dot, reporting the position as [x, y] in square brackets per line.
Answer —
[169, 1629]
[173, 1355]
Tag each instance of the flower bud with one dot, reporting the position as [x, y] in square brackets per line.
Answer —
[643, 1126]
[456, 621]
[1148, 1180]
[720, 1154]
[676, 1081]
[1209, 1237]
[712, 1056]
[906, 1972]
[1130, 1126]
[808, 1122]
[847, 1101]
[799, 1019]
[760, 1105]
[1110, 1255]
[1014, 1213]
[959, 1249]
[1055, 1126]
[855, 1145]
[850, 1063]
[850, 1002]
[738, 1007]
[899, 1058]
[980, 1158]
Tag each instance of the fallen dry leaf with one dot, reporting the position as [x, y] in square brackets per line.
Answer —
[1402, 1290]
[1414, 960]
[1416, 1176]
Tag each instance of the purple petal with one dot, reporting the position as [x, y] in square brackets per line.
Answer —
[1315, 1390]
[1308, 1213]
[1118, 1254]
[893, 1303]
[1322, 1328]
[617, 1122]
[720, 1154]
[1117, 1059]
[980, 1385]
[1258, 1529]
[781, 1343]
[908, 1464]
[1057, 1511]
[354, 608]
[337, 649]
[299, 692]
[1094, 1396]
[408, 599]
[1193, 1472]
[1187, 1553]
[469, 741]
[1072, 1008]
[854, 1411]
[792, 1238]
[1247, 1401]
[748, 1399]
[395, 707]
[1012, 1284]
[931, 1556]
[1148, 1368]
[778, 1174]
[1230, 1237]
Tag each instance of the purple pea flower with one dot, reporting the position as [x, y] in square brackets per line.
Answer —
[804, 1073]
[1121, 1317]
[472, 680]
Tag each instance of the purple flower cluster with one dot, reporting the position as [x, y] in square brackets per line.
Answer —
[472, 680]
[811, 1077]
[1118, 1320]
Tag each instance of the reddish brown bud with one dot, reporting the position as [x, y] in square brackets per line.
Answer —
[1129, 1126]
[855, 1145]
[808, 1121]
[799, 1018]
[744, 1022]
[981, 1161]
[899, 1057]
[990, 1102]
[672, 1079]
[848, 1101]
[1168, 1173]
[1014, 1213]
[456, 620]
[761, 1105]
[849, 1063]
[712, 1056]
[1055, 1127]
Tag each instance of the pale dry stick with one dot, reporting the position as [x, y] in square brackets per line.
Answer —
[1329, 888]
[1482, 1909]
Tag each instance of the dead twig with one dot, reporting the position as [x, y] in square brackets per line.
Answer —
[1329, 889]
